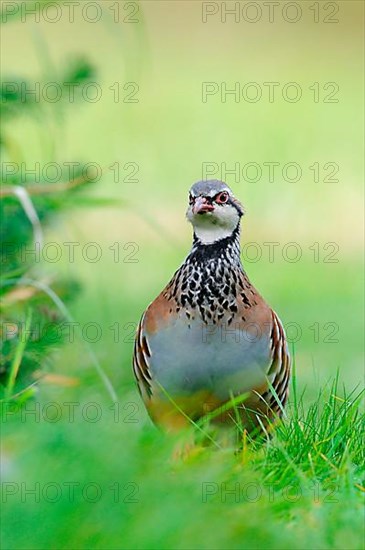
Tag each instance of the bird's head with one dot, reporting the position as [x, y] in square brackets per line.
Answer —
[213, 211]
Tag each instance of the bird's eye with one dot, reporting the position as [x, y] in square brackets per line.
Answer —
[222, 198]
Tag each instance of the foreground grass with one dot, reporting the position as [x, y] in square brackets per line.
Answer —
[87, 474]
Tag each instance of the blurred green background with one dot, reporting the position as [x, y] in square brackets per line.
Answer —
[165, 138]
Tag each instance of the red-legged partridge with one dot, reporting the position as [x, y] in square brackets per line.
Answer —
[209, 335]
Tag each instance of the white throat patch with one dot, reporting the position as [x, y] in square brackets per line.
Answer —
[211, 233]
[214, 226]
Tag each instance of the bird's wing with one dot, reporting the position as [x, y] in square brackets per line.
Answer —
[141, 356]
[278, 373]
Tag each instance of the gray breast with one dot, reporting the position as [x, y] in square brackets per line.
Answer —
[189, 355]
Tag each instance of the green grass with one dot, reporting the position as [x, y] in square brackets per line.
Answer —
[104, 477]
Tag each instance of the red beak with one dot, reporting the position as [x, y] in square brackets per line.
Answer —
[201, 205]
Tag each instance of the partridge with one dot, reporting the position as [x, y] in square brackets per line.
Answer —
[209, 336]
